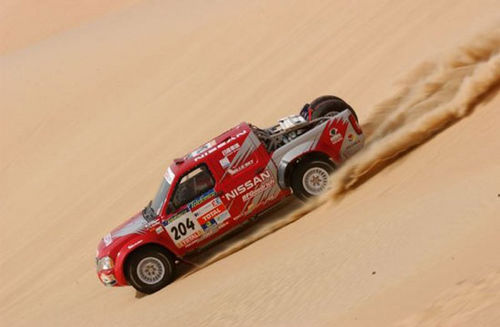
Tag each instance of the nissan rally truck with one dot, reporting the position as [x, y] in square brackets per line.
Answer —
[224, 183]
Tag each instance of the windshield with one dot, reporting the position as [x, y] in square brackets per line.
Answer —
[160, 196]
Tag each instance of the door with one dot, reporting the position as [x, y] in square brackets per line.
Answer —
[248, 181]
[197, 210]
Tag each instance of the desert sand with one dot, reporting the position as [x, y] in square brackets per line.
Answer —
[97, 100]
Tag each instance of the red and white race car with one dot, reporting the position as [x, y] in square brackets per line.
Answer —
[223, 183]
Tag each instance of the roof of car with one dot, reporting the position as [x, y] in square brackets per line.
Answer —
[209, 150]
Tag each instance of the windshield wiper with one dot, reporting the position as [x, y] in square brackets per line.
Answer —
[148, 212]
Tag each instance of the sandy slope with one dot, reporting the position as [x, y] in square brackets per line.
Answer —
[24, 22]
[92, 116]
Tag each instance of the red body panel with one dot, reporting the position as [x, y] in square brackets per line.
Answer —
[247, 181]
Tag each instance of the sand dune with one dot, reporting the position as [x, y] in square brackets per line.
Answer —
[471, 303]
[92, 114]
[24, 22]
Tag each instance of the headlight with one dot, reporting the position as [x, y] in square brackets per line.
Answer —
[104, 263]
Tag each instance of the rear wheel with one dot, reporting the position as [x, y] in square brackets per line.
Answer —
[311, 178]
[150, 268]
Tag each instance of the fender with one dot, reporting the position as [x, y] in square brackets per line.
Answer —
[296, 148]
[132, 245]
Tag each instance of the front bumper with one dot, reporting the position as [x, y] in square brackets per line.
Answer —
[105, 270]
[107, 277]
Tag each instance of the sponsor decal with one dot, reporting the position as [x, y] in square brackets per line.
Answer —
[169, 175]
[107, 239]
[248, 185]
[236, 170]
[211, 213]
[224, 162]
[212, 227]
[134, 244]
[262, 187]
[335, 137]
[202, 217]
[230, 150]
[178, 215]
[183, 228]
[222, 217]
[190, 239]
[207, 207]
[354, 143]
[210, 147]
[202, 198]
[203, 148]
[209, 225]
[159, 230]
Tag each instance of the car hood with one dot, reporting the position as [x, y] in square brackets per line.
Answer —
[136, 225]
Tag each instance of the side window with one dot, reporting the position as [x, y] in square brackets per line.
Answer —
[191, 185]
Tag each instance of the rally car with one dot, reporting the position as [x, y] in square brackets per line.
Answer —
[222, 184]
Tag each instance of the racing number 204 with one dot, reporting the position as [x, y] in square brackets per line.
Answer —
[181, 229]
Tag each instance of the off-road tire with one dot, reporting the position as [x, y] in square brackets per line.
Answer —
[302, 174]
[329, 105]
[138, 275]
[322, 99]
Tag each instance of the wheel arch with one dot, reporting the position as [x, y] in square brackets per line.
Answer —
[124, 257]
[305, 157]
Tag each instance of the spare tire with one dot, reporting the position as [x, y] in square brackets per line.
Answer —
[322, 99]
[329, 107]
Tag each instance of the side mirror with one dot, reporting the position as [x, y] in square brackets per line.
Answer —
[170, 207]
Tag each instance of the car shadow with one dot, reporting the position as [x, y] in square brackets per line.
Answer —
[208, 254]
[246, 231]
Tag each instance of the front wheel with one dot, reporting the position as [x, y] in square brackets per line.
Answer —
[310, 179]
[149, 269]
